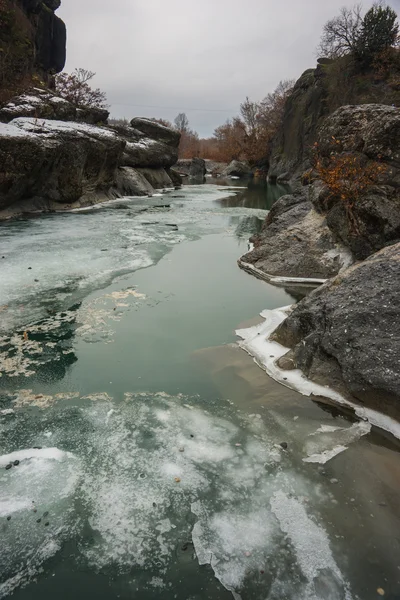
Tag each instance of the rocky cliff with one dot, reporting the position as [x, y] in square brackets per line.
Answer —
[59, 163]
[32, 43]
[308, 234]
[346, 333]
[319, 93]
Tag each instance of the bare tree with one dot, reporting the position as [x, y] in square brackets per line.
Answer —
[181, 122]
[249, 112]
[341, 35]
[75, 88]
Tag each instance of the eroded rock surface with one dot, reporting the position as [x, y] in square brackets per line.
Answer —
[44, 104]
[296, 242]
[47, 163]
[309, 234]
[347, 333]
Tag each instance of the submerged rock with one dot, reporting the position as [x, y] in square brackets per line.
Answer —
[347, 333]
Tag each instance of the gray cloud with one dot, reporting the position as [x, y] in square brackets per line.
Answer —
[156, 58]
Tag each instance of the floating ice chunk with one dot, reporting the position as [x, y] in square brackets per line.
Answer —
[326, 429]
[312, 548]
[44, 482]
[233, 543]
[327, 442]
[325, 456]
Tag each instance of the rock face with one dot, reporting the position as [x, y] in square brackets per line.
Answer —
[45, 164]
[237, 169]
[347, 332]
[309, 233]
[317, 94]
[32, 42]
[198, 169]
[296, 242]
[372, 133]
[45, 104]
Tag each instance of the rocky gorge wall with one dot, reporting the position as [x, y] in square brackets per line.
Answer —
[345, 334]
[62, 162]
[32, 43]
[317, 94]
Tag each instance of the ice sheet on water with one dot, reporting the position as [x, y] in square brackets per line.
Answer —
[154, 470]
[40, 487]
[312, 549]
[257, 342]
[72, 254]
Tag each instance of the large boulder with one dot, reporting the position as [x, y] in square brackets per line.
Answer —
[195, 168]
[347, 332]
[156, 131]
[47, 163]
[45, 104]
[56, 161]
[153, 145]
[237, 168]
[296, 242]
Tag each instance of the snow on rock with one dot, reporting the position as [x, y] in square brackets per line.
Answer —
[266, 352]
[46, 126]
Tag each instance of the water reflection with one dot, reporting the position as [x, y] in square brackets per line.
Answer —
[260, 195]
[245, 227]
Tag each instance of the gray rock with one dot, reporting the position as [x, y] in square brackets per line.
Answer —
[237, 169]
[157, 178]
[175, 177]
[132, 183]
[45, 104]
[156, 131]
[296, 242]
[197, 169]
[45, 163]
[347, 332]
[370, 132]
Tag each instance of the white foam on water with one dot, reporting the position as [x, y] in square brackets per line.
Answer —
[257, 343]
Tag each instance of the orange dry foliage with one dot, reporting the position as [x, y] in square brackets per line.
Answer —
[348, 178]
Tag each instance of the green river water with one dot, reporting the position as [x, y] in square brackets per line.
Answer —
[148, 443]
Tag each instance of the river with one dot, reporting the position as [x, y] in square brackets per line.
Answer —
[142, 453]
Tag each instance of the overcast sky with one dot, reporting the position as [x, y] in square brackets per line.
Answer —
[156, 58]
